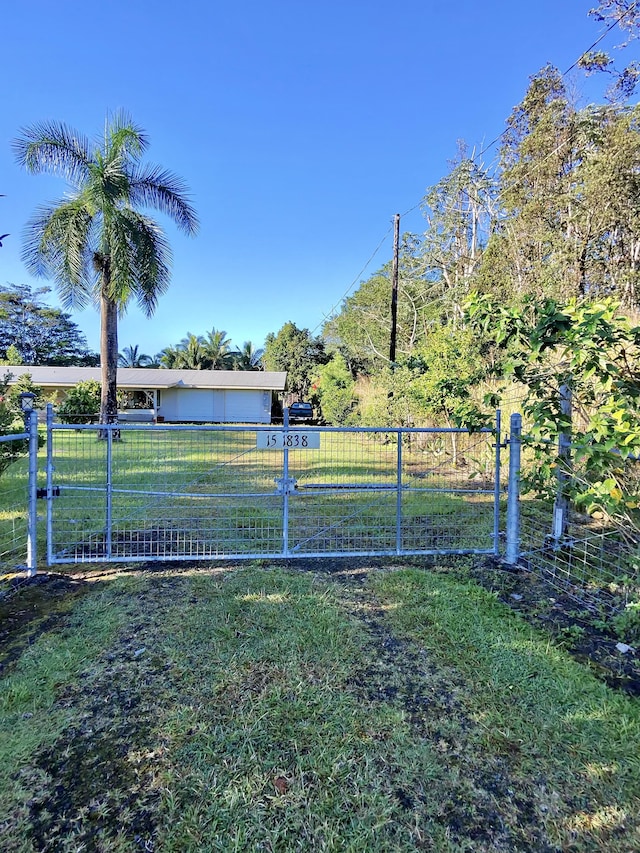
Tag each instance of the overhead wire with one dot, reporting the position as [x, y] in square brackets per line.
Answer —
[606, 32]
[475, 158]
[570, 68]
[354, 282]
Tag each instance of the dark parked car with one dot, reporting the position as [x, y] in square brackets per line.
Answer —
[300, 412]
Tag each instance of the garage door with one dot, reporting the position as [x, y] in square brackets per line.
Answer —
[245, 407]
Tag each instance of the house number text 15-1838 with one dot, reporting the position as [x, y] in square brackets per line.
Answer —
[277, 440]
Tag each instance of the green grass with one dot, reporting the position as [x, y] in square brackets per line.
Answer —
[13, 514]
[566, 733]
[267, 709]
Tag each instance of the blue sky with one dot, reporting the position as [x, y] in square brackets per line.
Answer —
[300, 129]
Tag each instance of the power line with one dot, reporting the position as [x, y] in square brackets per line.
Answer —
[598, 40]
[570, 68]
[475, 158]
[355, 280]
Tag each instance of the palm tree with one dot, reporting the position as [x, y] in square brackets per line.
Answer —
[130, 357]
[168, 357]
[248, 357]
[191, 353]
[217, 348]
[95, 243]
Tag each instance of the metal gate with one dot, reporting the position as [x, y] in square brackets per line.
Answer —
[204, 492]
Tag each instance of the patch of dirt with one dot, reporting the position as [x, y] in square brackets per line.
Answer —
[97, 784]
[31, 608]
[433, 699]
[577, 628]
[100, 777]
[42, 603]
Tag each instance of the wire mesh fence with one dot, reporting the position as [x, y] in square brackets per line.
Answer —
[196, 492]
[595, 564]
[598, 566]
[14, 509]
[188, 492]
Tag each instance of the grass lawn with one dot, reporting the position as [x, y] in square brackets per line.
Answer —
[329, 706]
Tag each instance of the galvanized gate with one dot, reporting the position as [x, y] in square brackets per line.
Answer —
[205, 492]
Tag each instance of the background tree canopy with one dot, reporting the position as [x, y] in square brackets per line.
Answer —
[296, 351]
[39, 333]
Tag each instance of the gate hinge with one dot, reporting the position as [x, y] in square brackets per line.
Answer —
[285, 485]
[42, 493]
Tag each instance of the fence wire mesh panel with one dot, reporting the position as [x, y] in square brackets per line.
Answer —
[14, 506]
[164, 492]
[597, 566]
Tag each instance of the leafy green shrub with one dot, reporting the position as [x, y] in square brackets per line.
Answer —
[24, 383]
[11, 423]
[82, 403]
[333, 388]
[590, 352]
[627, 623]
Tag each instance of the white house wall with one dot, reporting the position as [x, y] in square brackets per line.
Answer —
[217, 406]
[247, 407]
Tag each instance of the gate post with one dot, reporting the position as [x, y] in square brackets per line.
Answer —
[109, 495]
[399, 494]
[32, 513]
[285, 475]
[563, 471]
[49, 484]
[513, 491]
[496, 484]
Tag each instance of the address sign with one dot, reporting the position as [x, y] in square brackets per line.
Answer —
[278, 440]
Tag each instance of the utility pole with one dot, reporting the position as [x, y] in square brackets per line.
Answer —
[394, 289]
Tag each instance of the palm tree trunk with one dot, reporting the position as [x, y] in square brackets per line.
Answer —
[108, 357]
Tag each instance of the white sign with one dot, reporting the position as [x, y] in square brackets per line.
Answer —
[277, 440]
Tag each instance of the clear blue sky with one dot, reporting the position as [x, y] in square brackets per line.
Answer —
[301, 128]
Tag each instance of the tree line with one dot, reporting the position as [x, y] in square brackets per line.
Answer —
[32, 332]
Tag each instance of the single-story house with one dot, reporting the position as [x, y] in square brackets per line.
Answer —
[200, 396]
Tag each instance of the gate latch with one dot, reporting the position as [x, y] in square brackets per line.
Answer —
[42, 493]
[285, 485]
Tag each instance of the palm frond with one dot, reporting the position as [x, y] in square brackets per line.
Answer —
[247, 357]
[123, 138]
[152, 186]
[168, 357]
[57, 244]
[121, 278]
[55, 148]
[191, 354]
[140, 260]
[132, 357]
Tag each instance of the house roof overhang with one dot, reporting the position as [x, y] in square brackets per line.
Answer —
[149, 379]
